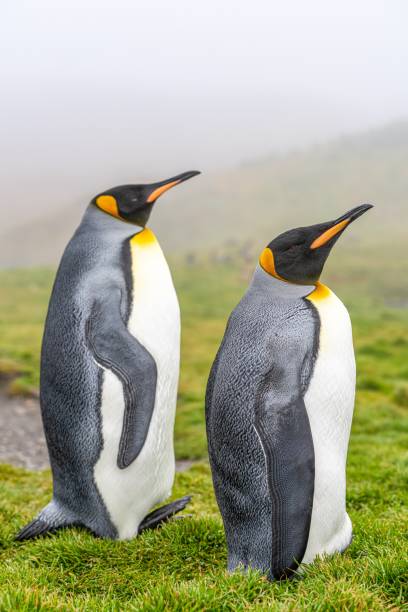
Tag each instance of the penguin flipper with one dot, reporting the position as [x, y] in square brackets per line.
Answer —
[114, 348]
[283, 427]
[163, 514]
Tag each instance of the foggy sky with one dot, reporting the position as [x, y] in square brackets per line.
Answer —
[98, 93]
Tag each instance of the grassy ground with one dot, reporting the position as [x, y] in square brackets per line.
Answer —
[181, 567]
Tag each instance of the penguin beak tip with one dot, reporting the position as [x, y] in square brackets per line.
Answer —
[360, 210]
[190, 174]
[353, 214]
[339, 225]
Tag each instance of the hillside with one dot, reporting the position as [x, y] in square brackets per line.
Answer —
[257, 200]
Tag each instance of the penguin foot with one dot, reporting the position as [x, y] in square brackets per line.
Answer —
[162, 515]
[34, 529]
[50, 519]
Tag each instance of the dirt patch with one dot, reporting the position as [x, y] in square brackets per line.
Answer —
[22, 441]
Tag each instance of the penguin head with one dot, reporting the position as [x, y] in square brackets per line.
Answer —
[134, 203]
[298, 256]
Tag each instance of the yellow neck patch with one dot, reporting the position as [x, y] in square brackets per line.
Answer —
[145, 238]
[320, 293]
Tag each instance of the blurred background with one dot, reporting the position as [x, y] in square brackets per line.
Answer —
[294, 112]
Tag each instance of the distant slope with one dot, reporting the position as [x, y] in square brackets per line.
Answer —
[257, 200]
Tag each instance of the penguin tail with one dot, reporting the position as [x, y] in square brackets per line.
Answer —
[163, 514]
[49, 520]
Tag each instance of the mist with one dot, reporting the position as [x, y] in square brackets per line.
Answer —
[99, 93]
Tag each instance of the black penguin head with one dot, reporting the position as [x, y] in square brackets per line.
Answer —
[298, 256]
[134, 203]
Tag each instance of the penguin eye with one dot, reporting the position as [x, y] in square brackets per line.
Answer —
[292, 248]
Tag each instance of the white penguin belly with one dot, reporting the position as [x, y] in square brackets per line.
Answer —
[130, 493]
[329, 403]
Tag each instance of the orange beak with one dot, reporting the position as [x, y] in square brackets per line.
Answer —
[166, 185]
[328, 234]
[339, 225]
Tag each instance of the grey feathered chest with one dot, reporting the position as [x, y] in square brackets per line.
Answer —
[261, 333]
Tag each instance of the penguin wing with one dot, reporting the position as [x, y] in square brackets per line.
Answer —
[114, 348]
[282, 424]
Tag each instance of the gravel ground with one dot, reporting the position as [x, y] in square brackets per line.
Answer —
[22, 440]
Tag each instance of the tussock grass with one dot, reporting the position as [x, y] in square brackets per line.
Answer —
[182, 565]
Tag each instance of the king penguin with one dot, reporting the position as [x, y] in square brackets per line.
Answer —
[279, 406]
[109, 372]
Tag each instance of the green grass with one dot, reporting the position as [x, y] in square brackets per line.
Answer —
[24, 297]
[182, 566]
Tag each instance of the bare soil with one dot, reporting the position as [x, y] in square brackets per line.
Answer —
[22, 441]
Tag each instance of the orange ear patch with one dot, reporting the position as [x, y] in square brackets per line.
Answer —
[108, 204]
[267, 262]
[332, 231]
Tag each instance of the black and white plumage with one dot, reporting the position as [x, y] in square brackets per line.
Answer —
[279, 406]
[109, 372]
